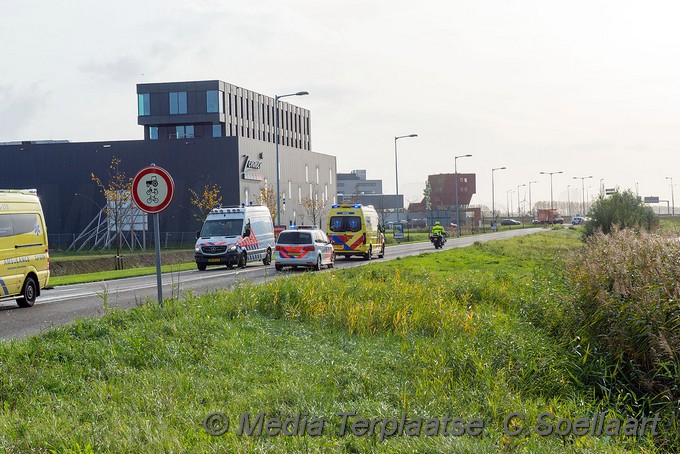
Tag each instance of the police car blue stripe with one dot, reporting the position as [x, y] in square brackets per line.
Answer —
[4, 287]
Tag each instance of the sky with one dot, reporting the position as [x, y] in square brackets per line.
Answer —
[582, 87]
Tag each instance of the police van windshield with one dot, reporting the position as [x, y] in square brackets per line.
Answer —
[222, 227]
[345, 223]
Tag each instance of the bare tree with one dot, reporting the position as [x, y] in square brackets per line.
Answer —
[117, 192]
[205, 201]
[313, 209]
[267, 198]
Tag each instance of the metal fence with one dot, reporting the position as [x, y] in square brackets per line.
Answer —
[131, 241]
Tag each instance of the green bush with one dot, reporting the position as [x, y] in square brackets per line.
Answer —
[621, 210]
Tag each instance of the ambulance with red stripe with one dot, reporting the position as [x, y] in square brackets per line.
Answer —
[235, 236]
[355, 229]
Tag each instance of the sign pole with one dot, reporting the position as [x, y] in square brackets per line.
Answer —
[157, 240]
[152, 191]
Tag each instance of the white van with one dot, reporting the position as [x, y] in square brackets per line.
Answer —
[235, 236]
[24, 256]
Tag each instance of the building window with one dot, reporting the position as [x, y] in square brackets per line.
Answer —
[317, 175]
[217, 130]
[306, 173]
[299, 194]
[184, 132]
[245, 194]
[143, 104]
[214, 101]
[153, 132]
[178, 102]
[330, 176]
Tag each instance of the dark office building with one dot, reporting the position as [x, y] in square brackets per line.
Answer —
[206, 132]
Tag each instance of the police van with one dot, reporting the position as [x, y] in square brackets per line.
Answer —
[24, 255]
[355, 229]
[235, 236]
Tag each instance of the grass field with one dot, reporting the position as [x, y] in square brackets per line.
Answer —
[474, 333]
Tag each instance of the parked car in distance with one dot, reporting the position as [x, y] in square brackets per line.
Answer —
[535, 221]
[578, 220]
[308, 248]
[510, 222]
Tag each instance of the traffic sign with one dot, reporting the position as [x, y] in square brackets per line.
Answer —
[152, 189]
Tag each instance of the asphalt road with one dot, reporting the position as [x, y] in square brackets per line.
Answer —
[64, 304]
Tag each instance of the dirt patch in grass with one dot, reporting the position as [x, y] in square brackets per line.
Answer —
[66, 267]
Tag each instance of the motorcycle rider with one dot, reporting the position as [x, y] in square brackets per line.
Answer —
[437, 229]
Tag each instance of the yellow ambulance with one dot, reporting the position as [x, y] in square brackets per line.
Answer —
[355, 229]
[24, 256]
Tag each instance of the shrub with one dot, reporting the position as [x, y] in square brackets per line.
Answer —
[621, 210]
[629, 285]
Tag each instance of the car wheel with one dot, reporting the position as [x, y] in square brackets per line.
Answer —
[30, 292]
[267, 258]
[278, 267]
[243, 260]
[318, 263]
[332, 264]
[201, 266]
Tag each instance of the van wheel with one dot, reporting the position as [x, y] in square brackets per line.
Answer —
[382, 252]
[318, 263]
[201, 266]
[369, 254]
[243, 260]
[30, 292]
[278, 267]
[268, 258]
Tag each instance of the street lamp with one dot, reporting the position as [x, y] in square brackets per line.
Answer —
[276, 141]
[583, 204]
[455, 171]
[396, 168]
[551, 188]
[672, 194]
[508, 198]
[519, 209]
[568, 200]
[493, 201]
[531, 207]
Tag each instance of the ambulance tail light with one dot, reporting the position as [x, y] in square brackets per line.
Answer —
[364, 237]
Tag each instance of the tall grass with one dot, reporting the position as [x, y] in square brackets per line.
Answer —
[629, 311]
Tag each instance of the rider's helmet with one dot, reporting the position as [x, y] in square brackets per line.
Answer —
[437, 223]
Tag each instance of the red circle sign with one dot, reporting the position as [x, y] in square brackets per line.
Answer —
[152, 189]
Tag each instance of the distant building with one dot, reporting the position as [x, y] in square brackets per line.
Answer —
[205, 132]
[354, 187]
[355, 183]
[443, 199]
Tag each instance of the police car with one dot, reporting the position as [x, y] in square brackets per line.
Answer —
[304, 246]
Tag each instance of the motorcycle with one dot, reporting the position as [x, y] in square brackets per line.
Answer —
[438, 240]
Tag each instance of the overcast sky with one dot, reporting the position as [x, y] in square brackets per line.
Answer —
[583, 87]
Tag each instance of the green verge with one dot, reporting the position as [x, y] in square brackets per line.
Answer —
[118, 274]
[470, 333]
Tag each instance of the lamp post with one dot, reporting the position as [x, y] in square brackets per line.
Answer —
[493, 194]
[531, 207]
[568, 200]
[276, 141]
[672, 194]
[396, 168]
[455, 171]
[519, 209]
[508, 197]
[551, 187]
[583, 203]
